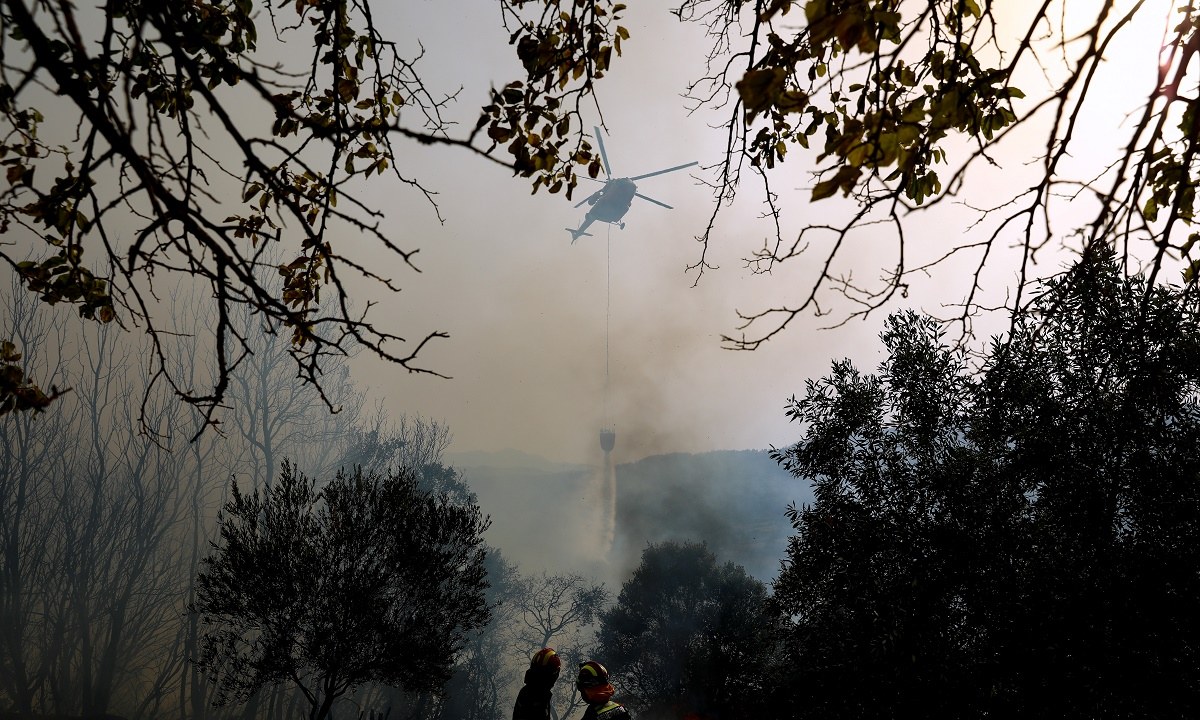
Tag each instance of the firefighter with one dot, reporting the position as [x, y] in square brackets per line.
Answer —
[533, 702]
[597, 692]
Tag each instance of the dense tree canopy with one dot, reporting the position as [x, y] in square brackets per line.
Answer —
[143, 142]
[366, 579]
[687, 635]
[1019, 539]
[911, 104]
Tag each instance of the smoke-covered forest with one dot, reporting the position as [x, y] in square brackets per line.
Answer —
[1013, 534]
[210, 508]
[112, 530]
[106, 525]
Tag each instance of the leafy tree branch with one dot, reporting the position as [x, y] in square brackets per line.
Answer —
[177, 149]
[905, 103]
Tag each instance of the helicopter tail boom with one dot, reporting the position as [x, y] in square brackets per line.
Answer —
[576, 234]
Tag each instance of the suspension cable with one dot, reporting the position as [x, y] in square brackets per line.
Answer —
[607, 314]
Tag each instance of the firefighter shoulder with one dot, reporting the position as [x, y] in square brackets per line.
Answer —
[597, 692]
[533, 701]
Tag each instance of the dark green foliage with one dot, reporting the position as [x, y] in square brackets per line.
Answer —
[368, 579]
[687, 635]
[1020, 541]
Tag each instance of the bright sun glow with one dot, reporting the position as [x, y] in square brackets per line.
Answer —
[1141, 41]
[1134, 58]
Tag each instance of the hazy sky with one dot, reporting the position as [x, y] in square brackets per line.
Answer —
[526, 309]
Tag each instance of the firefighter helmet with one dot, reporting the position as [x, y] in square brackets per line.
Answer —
[545, 658]
[593, 682]
[592, 674]
[543, 667]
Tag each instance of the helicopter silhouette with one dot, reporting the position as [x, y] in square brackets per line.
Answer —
[610, 203]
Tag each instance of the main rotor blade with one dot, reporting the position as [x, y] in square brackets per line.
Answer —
[663, 172]
[603, 155]
[650, 199]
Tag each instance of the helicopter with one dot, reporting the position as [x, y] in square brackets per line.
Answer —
[610, 203]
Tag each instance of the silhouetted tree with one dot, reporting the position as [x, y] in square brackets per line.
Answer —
[271, 415]
[478, 688]
[527, 613]
[558, 611]
[91, 570]
[553, 605]
[419, 444]
[367, 579]
[155, 107]
[687, 635]
[1017, 539]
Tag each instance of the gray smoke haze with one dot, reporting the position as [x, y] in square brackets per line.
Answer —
[553, 516]
[527, 311]
[732, 501]
[533, 321]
